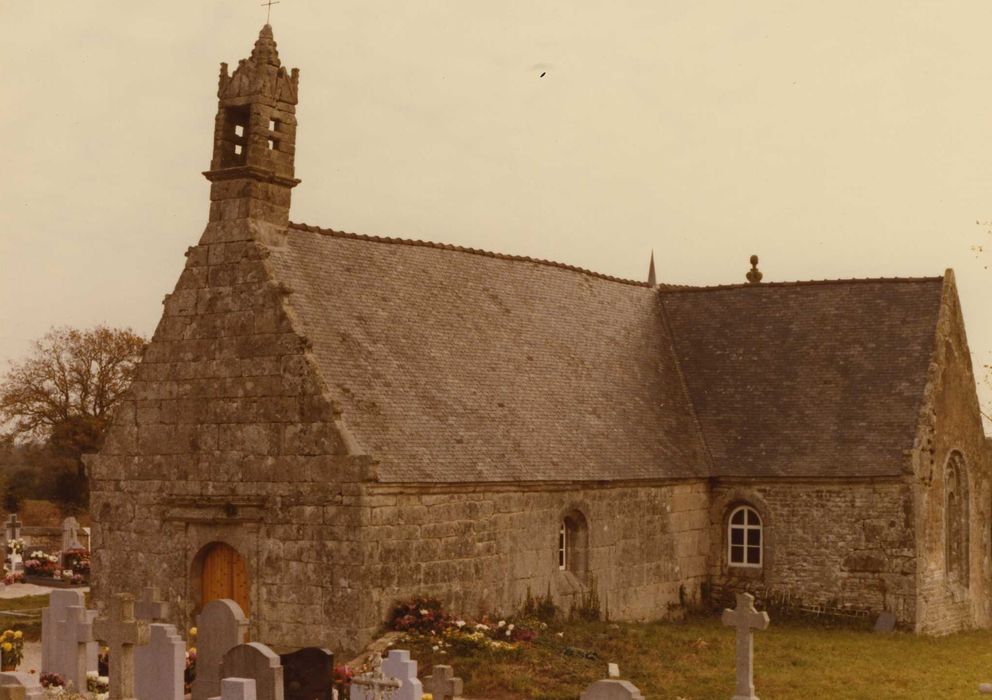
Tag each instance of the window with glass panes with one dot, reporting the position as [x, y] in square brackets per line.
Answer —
[744, 537]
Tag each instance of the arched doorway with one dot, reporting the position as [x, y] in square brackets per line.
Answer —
[224, 574]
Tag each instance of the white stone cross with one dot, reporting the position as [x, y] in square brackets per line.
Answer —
[442, 683]
[380, 685]
[745, 618]
[121, 632]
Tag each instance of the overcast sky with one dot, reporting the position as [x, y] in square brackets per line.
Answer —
[841, 139]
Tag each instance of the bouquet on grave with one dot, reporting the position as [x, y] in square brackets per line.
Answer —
[51, 680]
[40, 564]
[78, 560]
[95, 683]
[11, 648]
[15, 546]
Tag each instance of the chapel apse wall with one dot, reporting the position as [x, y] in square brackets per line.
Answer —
[951, 459]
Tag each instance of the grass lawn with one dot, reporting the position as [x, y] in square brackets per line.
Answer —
[694, 660]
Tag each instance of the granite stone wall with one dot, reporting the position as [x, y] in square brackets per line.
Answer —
[841, 544]
[481, 549]
[226, 436]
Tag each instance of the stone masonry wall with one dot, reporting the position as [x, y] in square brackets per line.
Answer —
[838, 544]
[950, 421]
[481, 549]
[226, 436]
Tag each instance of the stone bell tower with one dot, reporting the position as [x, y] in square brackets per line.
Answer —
[254, 141]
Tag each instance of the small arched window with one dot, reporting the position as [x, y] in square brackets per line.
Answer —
[573, 544]
[744, 537]
[956, 519]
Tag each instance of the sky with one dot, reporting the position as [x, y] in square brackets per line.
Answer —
[834, 140]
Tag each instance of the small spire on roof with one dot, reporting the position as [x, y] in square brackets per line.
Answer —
[754, 274]
[651, 279]
[265, 48]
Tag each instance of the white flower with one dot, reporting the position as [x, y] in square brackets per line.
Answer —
[459, 623]
[502, 623]
[435, 647]
[561, 634]
[508, 633]
[510, 627]
[424, 611]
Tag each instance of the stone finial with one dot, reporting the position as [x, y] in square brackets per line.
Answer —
[754, 274]
[651, 278]
[265, 48]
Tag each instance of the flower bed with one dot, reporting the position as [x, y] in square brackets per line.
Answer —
[72, 569]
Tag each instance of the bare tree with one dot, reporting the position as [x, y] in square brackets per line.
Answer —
[70, 375]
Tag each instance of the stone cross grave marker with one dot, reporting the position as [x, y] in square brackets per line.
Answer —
[121, 632]
[12, 531]
[159, 666]
[308, 674]
[151, 607]
[237, 689]
[400, 666]
[258, 662]
[375, 685]
[221, 626]
[75, 641]
[442, 684]
[746, 619]
[19, 679]
[58, 653]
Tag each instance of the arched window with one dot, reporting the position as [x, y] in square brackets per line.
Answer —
[744, 537]
[573, 544]
[956, 518]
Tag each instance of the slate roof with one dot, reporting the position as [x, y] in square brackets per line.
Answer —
[807, 379]
[455, 365]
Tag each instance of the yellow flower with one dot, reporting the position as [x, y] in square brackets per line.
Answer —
[18, 634]
[6, 646]
[192, 632]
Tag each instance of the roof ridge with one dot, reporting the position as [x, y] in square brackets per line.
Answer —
[797, 283]
[463, 249]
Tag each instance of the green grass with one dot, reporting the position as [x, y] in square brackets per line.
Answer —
[694, 660]
[29, 618]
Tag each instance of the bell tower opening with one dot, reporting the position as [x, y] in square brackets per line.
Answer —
[252, 171]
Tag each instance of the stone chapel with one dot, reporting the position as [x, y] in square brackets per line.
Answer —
[325, 423]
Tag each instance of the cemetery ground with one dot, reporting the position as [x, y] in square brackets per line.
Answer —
[693, 659]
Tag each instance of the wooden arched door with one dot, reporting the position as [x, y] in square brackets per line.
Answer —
[225, 575]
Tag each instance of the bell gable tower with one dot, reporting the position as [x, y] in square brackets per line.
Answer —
[251, 172]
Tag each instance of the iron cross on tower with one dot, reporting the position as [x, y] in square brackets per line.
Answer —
[268, 12]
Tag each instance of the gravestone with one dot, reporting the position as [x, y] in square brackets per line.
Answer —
[56, 655]
[985, 688]
[28, 682]
[746, 619]
[70, 534]
[442, 683]
[121, 632]
[612, 670]
[308, 674]
[76, 643]
[151, 607]
[611, 689]
[886, 622]
[159, 665]
[221, 626]
[400, 666]
[374, 685]
[237, 689]
[258, 662]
